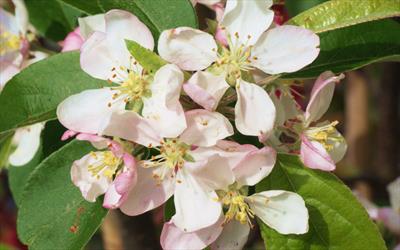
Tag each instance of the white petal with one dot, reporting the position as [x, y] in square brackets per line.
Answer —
[285, 49]
[206, 89]
[321, 96]
[21, 15]
[394, 194]
[190, 49]
[205, 128]
[7, 71]
[255, 166]
[247, 18]
[196, 206]
[97, 58]
[91, 186]
[281, 210]
[163, 108]
[233, 237]
[88, 25]
[130, 126]
[174, 238]
[88, 111]
[148, 193]
[254, 110]
[314, 155]
[213, 171]
[27, 141]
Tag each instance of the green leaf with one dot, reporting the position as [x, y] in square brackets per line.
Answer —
[53, 213]
[337, 14]
[149, 60]
[52, 18]
[337, 219]
[354, 47]
[5, 148]
[295, 7]
[158, 15]
[33, 95]
[169, 209]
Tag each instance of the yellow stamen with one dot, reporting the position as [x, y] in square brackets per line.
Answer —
[9, 42]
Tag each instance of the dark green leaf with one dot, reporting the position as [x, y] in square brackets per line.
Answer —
[337, 14]
[5, 148]
[295, 7]
[33, 95]
[53, 213]
[337, 219]
[354, 47]
[52, 18]
[158, 15]
[169, 209]
[18, 176]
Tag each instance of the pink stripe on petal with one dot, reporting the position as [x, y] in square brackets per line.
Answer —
[68, 134]
[314, 155]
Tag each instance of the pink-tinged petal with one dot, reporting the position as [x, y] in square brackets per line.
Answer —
[98, 142]
[148, 193]
[315, 156]
[219, 11]
[130, 126]
[98, 58]
[21, 16]
[233, 237]
[249, 19]
[73, 41]
[90, 185]
[255, 166]
[394, 194]
[27, 142]
[7, 71]
[210, 169]
[196, 205]
[390, 218]
[88, 25]
[205, 128]
[286, 108]
[285, 49]
[68, 135]
[206, 89]
[121, 25]
[321, 96]
[220, 37]
[174, 238]
[118, 191]
[254, 111]
[281, 210]
[234, 152]
[88, 111]
[189, 48]
[8, 22]
[163, 109]
[371, 208]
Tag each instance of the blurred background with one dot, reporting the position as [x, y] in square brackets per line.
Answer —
[366, 104]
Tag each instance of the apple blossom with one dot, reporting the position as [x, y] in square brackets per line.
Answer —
[13, 30]
[249, 47]
[284, 211]
[139, 102]
[187, 167]
[111, 171]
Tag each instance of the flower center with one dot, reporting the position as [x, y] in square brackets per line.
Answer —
[326, 135]
[234, 59]
[172, 155]
[106, 164]
[236, 206]
[134, 84]
[9, 42]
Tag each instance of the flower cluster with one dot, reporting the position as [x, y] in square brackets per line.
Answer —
[168, 132]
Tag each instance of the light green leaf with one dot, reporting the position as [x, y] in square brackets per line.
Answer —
[158, 15]
[337, 14]
[354, 47]
[53, 213]
[5, 148]
[33, 95]
[337, 220]
[149, 60]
